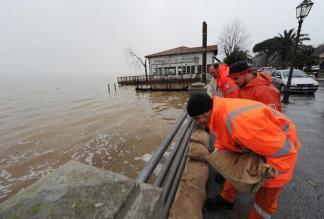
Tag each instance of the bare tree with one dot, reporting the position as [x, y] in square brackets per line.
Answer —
[234, 37]
[138, 60]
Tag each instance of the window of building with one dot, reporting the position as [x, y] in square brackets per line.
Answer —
[199, 69]
[172, 70]
[169, 70]
[184, 69]
[165, 70]
[179, 70]
[192, 69]
[155, 71]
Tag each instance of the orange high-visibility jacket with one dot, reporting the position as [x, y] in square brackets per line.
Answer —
[261, 89]
[242, 125]
[225, 84]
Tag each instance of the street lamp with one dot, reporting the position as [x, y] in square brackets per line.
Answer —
[302, 10]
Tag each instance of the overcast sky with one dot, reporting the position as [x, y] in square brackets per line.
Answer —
[40, 37]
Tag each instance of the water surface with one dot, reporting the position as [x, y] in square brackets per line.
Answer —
[45, 122]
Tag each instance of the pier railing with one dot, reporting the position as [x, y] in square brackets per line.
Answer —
[151, 79]
[171, 155]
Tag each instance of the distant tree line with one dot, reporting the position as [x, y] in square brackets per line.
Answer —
[276, 51]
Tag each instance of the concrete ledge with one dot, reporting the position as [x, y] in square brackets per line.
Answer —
[148, 203]
[77, 190]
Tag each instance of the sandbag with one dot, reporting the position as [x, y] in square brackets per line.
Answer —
[246, 172]
[198, 152]
[200, 136]
[191, 193]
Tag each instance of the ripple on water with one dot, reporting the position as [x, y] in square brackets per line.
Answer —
[48, 127]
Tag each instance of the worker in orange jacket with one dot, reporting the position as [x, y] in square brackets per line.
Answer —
[255, 86]
[225, 84]
[243, 125]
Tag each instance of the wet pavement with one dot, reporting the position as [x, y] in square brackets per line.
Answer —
[304, 196]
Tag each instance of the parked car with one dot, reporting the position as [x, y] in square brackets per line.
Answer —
[315, 67]
[267, 69]
[300, 81]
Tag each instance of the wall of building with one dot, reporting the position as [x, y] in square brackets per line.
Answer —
[178, 64]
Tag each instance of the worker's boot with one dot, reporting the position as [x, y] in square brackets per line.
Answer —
[217, 203]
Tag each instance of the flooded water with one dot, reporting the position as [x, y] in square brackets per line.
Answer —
[47, 122]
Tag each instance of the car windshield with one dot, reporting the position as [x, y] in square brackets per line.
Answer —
[296, 74]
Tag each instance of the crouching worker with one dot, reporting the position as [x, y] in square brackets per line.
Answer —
[242, 125]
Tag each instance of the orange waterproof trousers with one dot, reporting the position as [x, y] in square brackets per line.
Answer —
[265, 200]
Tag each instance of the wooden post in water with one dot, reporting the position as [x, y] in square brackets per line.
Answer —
[204, 51]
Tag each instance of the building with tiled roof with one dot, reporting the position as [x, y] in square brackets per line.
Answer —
[180, 61]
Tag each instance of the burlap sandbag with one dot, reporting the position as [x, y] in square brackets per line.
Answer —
[246, 172]
[200, 136]
[198, 152]
[191, 193]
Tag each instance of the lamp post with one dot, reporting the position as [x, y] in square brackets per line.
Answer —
[302, 11]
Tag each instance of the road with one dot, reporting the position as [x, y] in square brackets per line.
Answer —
[304, 196]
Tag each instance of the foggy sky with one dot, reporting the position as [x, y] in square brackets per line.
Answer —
[40, 37]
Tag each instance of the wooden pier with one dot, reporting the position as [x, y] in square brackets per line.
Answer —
[160, 82]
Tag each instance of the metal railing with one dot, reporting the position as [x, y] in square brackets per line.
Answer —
[141, 79]
[176, 144]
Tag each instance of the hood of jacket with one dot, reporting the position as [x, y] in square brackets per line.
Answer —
[223, 70]
[261, 79]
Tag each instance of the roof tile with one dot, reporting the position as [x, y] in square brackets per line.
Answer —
[182, 50]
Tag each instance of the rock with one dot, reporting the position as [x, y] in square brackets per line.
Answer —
[77, 190]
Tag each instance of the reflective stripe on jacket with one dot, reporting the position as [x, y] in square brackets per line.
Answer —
[244, 125]
[224, 83]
